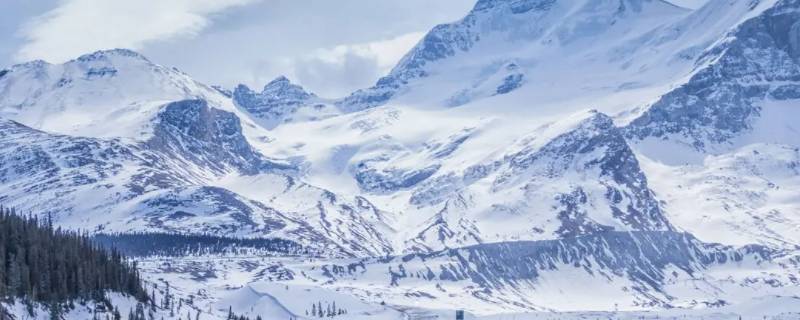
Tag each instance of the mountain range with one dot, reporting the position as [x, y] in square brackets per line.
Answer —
[648, 150]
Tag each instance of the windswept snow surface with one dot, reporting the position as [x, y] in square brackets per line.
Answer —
[285, 287]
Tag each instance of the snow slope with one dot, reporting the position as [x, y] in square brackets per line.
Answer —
[161, 167]
[437, 165]
[103, 94]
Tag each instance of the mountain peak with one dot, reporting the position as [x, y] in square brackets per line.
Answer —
[282, 86]
[105, 84]
[512, 29]
[280, 80]
[278, 99]
[30, 64]
[111, 53]
[482, 5]
[596, 118]
[522, 6]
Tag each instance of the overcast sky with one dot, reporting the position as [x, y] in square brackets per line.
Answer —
[330, 46]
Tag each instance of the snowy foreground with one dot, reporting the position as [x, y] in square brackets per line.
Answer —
[286, 288]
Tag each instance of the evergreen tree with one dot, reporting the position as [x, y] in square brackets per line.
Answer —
[329, 311]
[153, 299]
[117, 315]
[55, 311]
[140, 312]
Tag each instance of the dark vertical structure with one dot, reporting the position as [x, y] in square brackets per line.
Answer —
[459, 314]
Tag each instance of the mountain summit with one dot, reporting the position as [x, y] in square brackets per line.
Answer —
[501, 44]
[280, 101]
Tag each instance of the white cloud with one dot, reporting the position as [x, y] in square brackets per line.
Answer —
[333, 79]
[344, 68]
[385, 52]
[76, 27]
[318, 43]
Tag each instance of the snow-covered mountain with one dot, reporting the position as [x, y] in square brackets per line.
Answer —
[104, 94]
[501, 46]
[154, 158]
[740, 82]
[281, 101]
[524, 74]
[611, 141]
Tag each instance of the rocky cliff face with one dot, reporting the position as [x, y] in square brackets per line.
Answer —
[207, 137]
[585, 180]
[277, 102]
[756, 61]
[645, 267]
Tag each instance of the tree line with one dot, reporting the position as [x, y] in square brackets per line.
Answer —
[143, 244]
